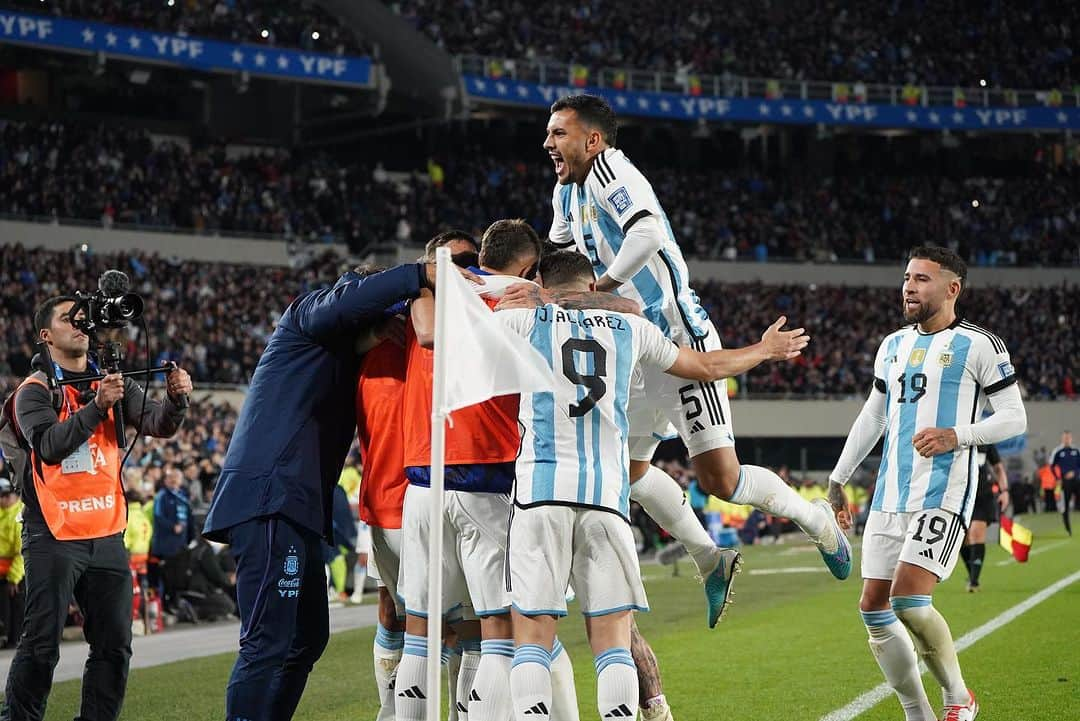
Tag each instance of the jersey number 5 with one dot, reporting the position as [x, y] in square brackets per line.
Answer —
[594, 381]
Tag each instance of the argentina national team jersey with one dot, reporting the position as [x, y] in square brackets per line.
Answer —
[574, 437]
[595, 218]
[939, 380]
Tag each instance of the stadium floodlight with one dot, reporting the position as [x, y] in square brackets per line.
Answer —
[314, 34]
[975, 203]
[982, 82]
[265, 33]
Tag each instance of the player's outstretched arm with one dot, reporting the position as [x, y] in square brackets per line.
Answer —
[530, 295]
[775, 344]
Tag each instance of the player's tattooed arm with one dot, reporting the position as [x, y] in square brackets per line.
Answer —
[527, 295]
[838, 501]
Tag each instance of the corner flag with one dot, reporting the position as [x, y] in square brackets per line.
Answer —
[1015, 539]
[476, 358]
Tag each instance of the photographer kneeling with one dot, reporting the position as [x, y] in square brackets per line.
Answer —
[73, 538]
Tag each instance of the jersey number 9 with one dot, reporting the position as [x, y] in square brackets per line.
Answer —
[594, 381]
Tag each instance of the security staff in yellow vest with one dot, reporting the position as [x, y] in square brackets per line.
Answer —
[73, 539]
[12, 593]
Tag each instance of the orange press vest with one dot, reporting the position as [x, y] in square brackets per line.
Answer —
[81, 505]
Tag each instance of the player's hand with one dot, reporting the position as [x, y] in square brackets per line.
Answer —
[178, 383]
[1003, 500]
[110, 390]
[930, 442]
[429, 270]
[525, 295]
[838, 501]
[783, 344]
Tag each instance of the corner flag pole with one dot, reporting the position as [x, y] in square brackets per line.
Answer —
[433, 709]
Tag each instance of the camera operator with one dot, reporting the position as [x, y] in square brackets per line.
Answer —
[73, 541]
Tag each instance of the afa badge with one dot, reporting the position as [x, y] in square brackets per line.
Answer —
[917, 357]
[945, 359]
[292, 563]
[620, 200]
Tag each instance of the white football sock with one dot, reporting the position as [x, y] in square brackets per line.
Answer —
[934, 641]
[616, 684]
[761, 488]
[410, 689]
[564, 705]
[489, 699]
[387, 655]
[662, 498]
[470, 662]
[895, 654]
[530, 683]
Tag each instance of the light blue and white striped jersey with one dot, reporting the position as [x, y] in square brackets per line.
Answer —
[596, 216]
[574, 437]
[937, 380]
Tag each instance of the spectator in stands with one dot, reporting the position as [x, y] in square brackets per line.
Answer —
[1019, 220]
[202, 589]
[173, 529]
[1005, 44]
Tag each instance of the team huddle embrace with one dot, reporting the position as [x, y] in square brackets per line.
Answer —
[539, 485]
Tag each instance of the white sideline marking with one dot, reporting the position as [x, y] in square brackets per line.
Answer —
[876, 695]
[792, 569]
[1036, 552]
[752, 572]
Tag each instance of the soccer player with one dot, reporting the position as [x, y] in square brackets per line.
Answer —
[985, 511]
[932, 379]
[379, 391]
[605, 207]
[570, 521]
[481, 446]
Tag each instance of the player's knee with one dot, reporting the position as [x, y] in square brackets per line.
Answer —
[388, 617]
[874, 600]
[720, 480]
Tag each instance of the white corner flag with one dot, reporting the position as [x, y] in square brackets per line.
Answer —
[476, 358]
[483, 358]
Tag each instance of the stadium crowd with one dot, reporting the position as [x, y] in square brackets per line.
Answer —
[112, 175]
[304, 24]
[214, 319]
[1014, 45]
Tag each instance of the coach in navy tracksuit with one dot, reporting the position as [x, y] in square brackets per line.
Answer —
[274, 498]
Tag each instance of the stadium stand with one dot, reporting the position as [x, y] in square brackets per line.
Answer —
[119, 176]
[215, 318]
[1024, 45]
[302, 25]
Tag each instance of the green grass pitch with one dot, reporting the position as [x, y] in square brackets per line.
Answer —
[792, 647]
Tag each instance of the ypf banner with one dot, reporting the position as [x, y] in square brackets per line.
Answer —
[83, 36]
[781, 110]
